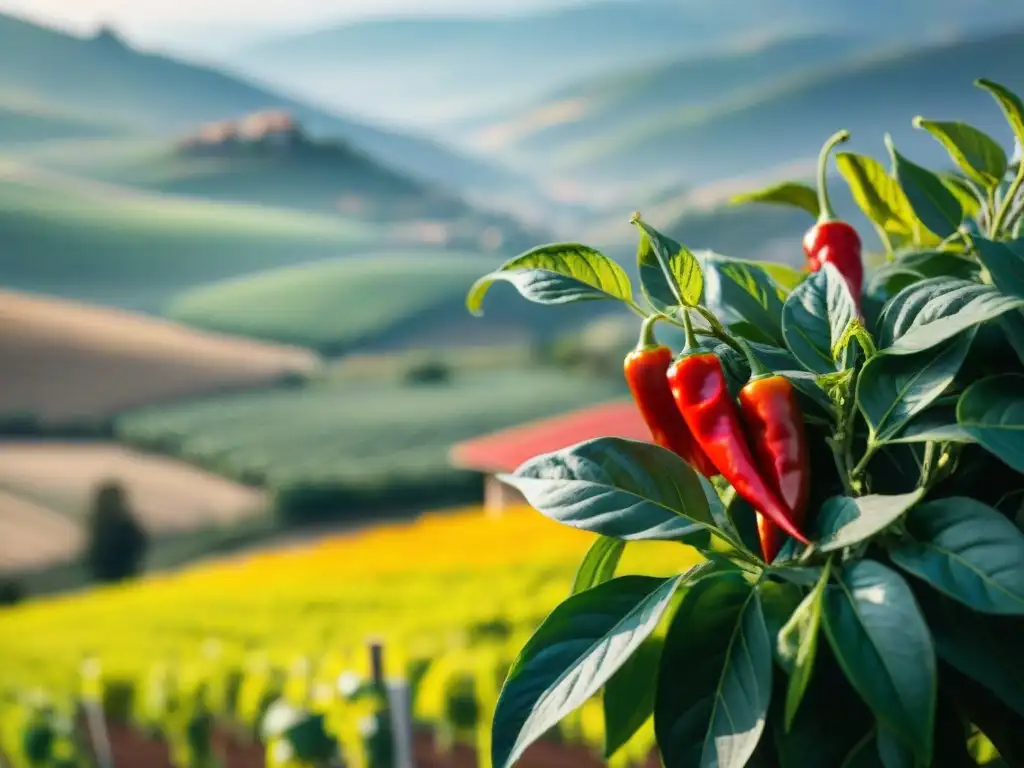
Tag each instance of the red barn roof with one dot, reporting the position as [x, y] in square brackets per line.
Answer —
[506, 449]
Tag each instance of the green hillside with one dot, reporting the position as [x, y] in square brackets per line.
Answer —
[309, 175]
[157, 95]
[97, 242]
[23, 123]
[331, 305]
[789, 121]
[604, 105]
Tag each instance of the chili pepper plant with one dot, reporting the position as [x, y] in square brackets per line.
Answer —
[846, 453]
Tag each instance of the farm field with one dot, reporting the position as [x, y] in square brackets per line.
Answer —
[33, 535]
[65, 361]
[165, 494]
[362, 437]
[436, 585]
[331, 305]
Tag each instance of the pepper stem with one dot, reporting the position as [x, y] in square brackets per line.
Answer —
[824, 204]
[757, 370]
[691, 338]
[647, 338]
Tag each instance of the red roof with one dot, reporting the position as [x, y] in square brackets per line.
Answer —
[505, 450]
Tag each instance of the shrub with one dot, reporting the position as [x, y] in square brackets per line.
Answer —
[879, 423]
[116, 541]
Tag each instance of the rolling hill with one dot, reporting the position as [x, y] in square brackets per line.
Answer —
[374, 302]
[66, 362]
[789, 121]
[150, 94]
[280, 165]
[88, 240]
[440, 71]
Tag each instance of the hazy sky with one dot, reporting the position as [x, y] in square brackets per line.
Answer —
[158, 19]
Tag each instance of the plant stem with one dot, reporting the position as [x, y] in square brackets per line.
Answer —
[718, 330]
[1004, 208]
[869, 453]
[824, 204]
[928, 465]
[634, 307]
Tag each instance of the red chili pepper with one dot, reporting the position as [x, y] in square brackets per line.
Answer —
[645, 369]
[700, 392]
[775, 427]
[831, 241]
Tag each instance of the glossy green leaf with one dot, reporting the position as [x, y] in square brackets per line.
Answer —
[893, 752]
[936, 424]
[669, 273]
[598, 564]
[882, 643]
[629, 695]
[931, 263]
[966, 194]
[560, 273]
[1004, 262]
[985, 648]
[977, 154]
[815, 316]
[931, 311]
[1012, 324]
[893, 389]
[784, 276]
[992, 412]
[714, 686]
[967, 550]
[572, 654]
[1009, 102]
[744, 290]
[881, 199]
[798, 644]
[936, 207]
[790, 193]
[621, 488]
[844, 521]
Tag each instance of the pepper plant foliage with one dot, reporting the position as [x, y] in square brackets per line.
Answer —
[897, 637]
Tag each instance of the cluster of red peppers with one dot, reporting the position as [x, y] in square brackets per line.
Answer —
[757, 441]
[757, 444]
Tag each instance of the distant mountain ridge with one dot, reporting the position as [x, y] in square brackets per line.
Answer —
[408, 66]
[152, 94]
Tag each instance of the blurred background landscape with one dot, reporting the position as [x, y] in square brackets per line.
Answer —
[236, 240]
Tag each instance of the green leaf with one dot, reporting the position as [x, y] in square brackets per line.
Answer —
[815, 316]
[967, 550]
[892, 389]
[628, 700]
[965, 193]
[621, 488]
[937, 424]
[844, 521]
[985, 648]
[784, 276]
[977, 154]
[745, 290]
[560, 273]
[572, 654]
[881, 199]
[715, 681]
[669, 273]
[931, 311]
[893, 752]
[992, 412]
[798, 644]
[1005, 262]
[1009, 102]
[1012, 324]
[790, 193]
[883, 645]
[930, 263]
[936, 207]
[598, 564]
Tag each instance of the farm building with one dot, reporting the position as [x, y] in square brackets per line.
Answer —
[506, 449]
